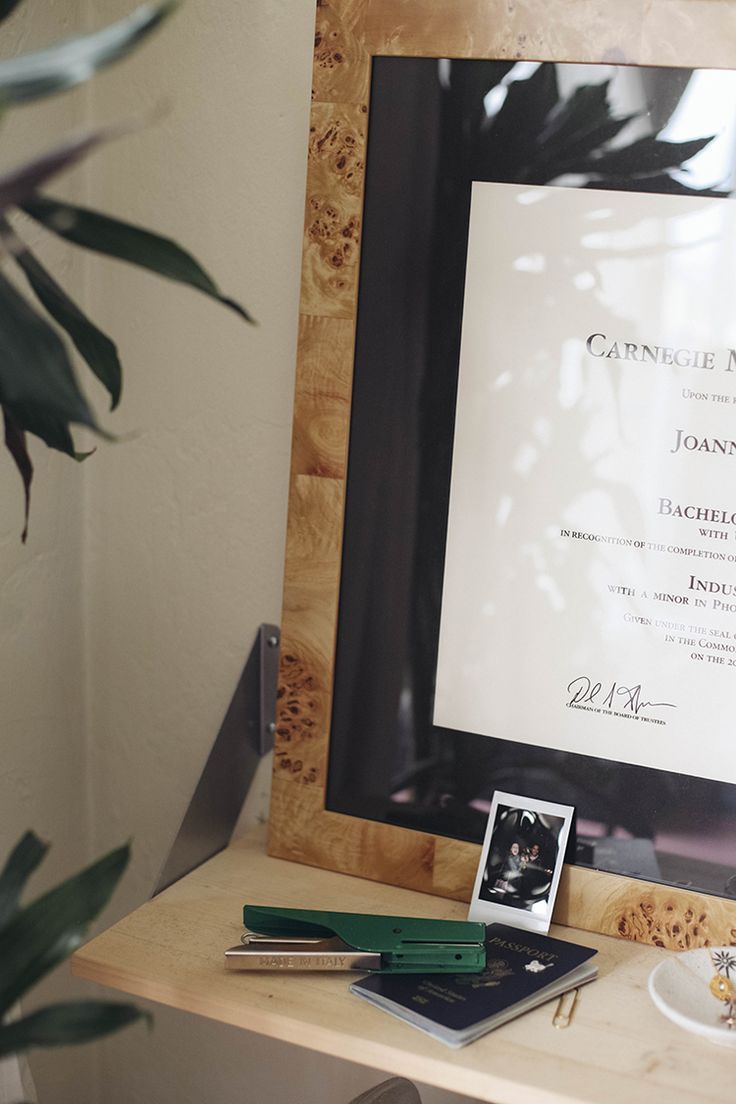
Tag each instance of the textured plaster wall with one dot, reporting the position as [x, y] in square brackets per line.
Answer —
[43, 764]
[185, 527]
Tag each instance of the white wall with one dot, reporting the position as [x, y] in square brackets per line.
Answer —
[181, 539]
[185, 526]
[43, 764]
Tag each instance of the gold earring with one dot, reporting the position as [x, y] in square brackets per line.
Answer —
[721, 985]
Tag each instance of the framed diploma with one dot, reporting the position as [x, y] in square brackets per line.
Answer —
[511, 550]
[590, 568]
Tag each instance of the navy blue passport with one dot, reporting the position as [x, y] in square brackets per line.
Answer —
[523, 969]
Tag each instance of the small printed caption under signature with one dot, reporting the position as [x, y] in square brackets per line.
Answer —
[614, 696]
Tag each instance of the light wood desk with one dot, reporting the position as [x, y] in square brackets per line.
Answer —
[618, 1049]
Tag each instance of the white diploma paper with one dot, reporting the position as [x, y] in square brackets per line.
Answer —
[589, 600]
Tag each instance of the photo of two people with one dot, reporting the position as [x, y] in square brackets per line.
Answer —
[521, 860]
[519, 872]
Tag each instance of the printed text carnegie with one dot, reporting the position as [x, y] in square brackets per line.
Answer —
[599, 345]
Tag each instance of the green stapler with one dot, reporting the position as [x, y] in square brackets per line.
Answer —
[302, 939]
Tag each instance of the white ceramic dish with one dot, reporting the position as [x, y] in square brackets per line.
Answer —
[680, 988]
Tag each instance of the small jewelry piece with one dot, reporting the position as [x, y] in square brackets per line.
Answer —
[721, 985]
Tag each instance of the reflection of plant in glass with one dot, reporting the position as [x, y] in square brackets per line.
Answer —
[39, 392]
[37, 937]
[539, 135]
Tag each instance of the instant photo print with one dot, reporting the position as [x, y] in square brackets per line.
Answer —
[521, 862]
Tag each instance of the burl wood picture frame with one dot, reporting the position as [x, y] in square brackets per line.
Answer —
[349, 33]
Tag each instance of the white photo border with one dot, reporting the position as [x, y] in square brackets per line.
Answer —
[490, 912]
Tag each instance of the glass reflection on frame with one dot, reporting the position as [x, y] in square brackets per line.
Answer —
[435, 126]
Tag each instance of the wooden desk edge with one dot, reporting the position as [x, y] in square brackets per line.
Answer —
[116, 959]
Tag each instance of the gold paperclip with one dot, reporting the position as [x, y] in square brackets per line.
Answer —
[565, 1009]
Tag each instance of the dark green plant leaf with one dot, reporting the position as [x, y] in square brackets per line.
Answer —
[125, 242]
[47, 931]
[37, 383]
[32, 76]
[22, 861]
[645, 157]
[15, 443]
[7, 7]
[95, 346]
[22, 181]
[66, 1023]
[53, 431]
